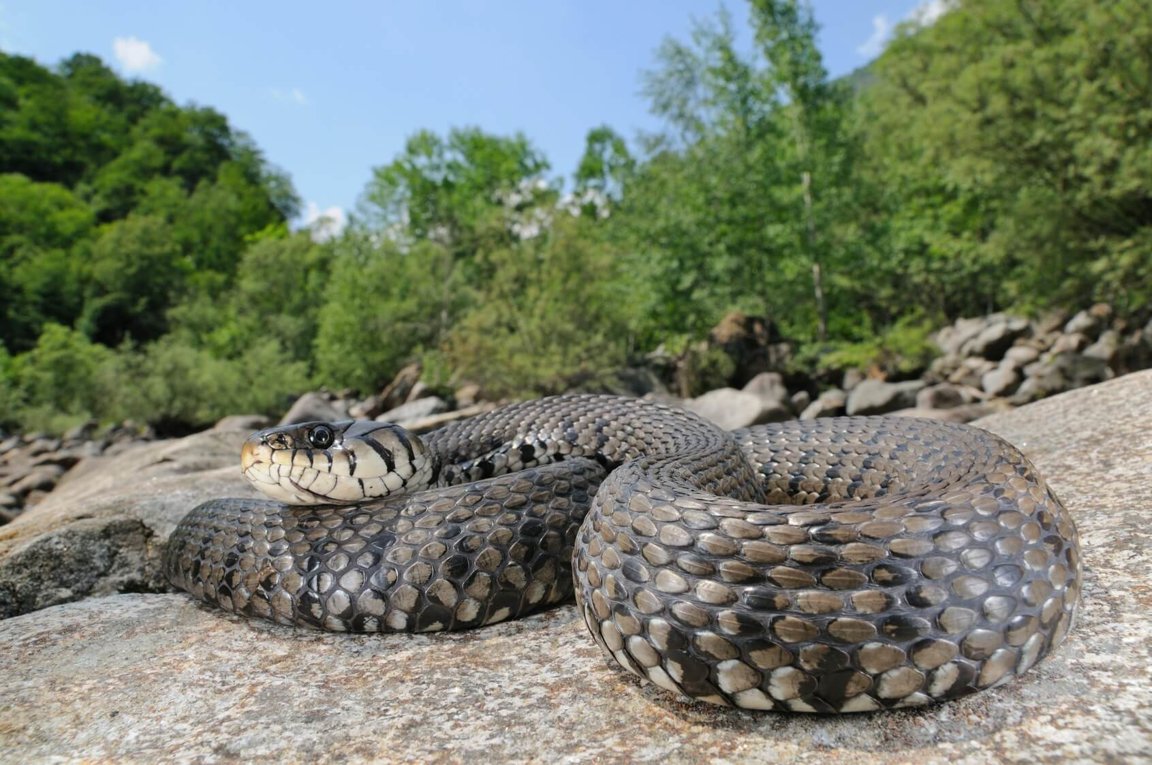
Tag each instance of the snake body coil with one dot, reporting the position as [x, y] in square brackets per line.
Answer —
[832, 565]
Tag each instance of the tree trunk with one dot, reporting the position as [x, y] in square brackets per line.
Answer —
[817, 271]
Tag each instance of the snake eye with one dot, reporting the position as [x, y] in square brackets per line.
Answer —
[321, 437]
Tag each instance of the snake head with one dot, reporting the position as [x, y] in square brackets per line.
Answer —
[317, 463]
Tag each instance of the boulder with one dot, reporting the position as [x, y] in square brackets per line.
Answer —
[102, 529]
[830, 403]
[996, 338]
[249, 422]
[962, 413]
[753, 343]
[730, 408]
[952, 339]
[1001, 381]
[800, 400]
[971, 371]
[769, 387]
[1069, 343]
[1105, 348]
[1089, 321]
[880, 396]
[1059, 372]
[414, 410]
[941, 396]
[399, 390]
[470, 393]
[156, 677]
[1021, 355]
[311, 407]
[852, 377]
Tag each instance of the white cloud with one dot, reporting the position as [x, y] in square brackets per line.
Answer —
[881, 28]
[325, 224]
[290, 96]
[135, 55]
[925, 14]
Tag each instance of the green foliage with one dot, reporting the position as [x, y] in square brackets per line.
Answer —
[606, 165]
[452, 190]
[747, 200]
[173, 383]
[554, 313]
[136, 272]
[62, 381]
[1010, 136]
[997, 159]
[42, 226]
[901, 349]
[383, 304]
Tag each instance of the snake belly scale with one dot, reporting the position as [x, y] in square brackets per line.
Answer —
[830, 565]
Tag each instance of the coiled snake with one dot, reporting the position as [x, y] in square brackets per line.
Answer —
[831, 565]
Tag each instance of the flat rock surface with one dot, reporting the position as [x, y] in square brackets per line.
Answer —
[103, 529]
[146, 677]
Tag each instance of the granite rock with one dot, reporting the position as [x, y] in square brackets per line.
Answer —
[730, 408]
[102, 529]
[880, 396]
[414, 410]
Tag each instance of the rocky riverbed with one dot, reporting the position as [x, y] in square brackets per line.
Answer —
[986, 365]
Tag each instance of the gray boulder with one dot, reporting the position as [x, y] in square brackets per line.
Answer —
[1001, 381]
[774, 397]
[971, 371]
[1089, 321]
[962, 413]
[880, 396]
[730, 408]
[102, 530]
[995, 339]
[249, 422]
[314, 406]
[1071, 342]
[942, 396]
[1105, 348]
[953, 338]
[800, 400]
[1059, 372]
[830, 403]
[1021, 355]
[414, 410]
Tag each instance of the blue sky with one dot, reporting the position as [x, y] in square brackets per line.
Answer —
[330, 92]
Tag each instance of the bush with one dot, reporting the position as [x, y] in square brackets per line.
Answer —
[63, 381]
[382, 307]
[553, 313]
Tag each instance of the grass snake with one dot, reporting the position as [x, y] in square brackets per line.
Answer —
[829, 565]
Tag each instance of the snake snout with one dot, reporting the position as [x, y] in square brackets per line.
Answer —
[248, 453]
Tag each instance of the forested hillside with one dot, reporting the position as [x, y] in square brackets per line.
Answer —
[1000, 158]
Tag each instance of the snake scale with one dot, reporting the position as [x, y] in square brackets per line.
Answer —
[830, 565]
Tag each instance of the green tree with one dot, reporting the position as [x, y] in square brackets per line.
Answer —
[137, 273]
[555, 313]
[606, 165]
[383, 306]
[745, 201]
[452, 190]
[1014, 136]
[41, 274]
[279, 292]
[66, 378]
